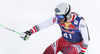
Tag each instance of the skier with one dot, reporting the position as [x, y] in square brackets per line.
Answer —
[75, 36]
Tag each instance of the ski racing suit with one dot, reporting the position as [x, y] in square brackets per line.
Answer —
[74, 33]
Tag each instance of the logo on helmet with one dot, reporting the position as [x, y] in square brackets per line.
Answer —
[57, 10]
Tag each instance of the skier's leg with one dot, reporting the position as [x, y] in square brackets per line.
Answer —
[48, 50]
[52, 49]
[66, 47]
[69, 50]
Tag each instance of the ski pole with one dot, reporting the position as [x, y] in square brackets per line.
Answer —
[9, 29]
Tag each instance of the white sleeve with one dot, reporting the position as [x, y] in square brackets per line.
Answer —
[43, 25]
[84, 32]
[47, 23]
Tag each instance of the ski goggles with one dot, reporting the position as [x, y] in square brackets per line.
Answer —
[60, 16]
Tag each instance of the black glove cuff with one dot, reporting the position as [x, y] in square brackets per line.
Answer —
[28, 32]
[81, 53]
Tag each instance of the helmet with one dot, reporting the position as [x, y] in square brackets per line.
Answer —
[63, 9]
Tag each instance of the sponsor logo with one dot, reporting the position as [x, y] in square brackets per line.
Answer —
[57, 10]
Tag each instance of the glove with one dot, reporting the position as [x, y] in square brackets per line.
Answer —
[81, 53]
[25, 35]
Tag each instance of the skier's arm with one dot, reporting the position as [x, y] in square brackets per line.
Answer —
[85, 35]
[43, 25]
[38, 27]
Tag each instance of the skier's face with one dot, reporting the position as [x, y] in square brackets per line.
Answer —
[62, 20]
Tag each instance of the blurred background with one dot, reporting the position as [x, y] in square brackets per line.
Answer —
[22, 15]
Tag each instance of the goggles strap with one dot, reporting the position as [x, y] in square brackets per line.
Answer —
[65, 16]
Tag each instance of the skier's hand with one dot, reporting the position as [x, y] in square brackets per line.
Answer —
[25, 35]
[81, 53]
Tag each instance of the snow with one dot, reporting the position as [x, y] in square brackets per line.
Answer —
[22, 15]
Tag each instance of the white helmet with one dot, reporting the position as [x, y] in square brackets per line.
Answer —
[63, 9]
